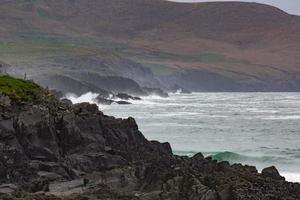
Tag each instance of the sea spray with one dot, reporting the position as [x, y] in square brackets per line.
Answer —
[87, 97]
[248, 126]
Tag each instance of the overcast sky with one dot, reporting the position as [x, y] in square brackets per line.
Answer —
[290, 6]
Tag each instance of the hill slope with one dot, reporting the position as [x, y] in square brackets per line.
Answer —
[228, 46]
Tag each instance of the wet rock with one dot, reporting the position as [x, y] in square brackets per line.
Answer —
[52, 148]
[67, 102]
[226, 193]
[104, 101]
[127, 97]
[123, 102]
[198, 156]
[51, 176]
[8, 189]
[272, 172]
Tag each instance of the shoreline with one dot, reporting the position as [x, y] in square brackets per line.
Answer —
[273, 156]
[52, 149]
[289, 175]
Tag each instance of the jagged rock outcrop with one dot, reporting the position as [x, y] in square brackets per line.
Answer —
[114, 99]
[65, 151]
[125, 96]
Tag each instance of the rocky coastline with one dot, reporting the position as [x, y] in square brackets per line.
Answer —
[54, 150]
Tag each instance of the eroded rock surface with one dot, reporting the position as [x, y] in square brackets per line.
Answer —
[54, 150]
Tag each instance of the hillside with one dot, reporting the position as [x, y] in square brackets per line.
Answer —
[200, 46]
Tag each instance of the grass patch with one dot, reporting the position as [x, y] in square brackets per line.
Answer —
[37, 44]
[50, 39]
[20, 90]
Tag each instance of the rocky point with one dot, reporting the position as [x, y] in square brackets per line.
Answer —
[51, 149]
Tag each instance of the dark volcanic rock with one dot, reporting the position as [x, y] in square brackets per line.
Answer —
[104, 101]
[127, 97]
[272, 172]
[123, 102]
[66, 101]
[77, 152]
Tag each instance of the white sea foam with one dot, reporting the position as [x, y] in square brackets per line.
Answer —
[217, 122]
[91, 97]
[178, 91]
[291, 177]
[282, 117]
[153, 97]
[87, 97]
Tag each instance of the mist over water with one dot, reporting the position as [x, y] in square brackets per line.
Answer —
[260, 129]
[88, 97]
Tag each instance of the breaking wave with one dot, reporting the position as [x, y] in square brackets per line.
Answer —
[232, 158]
[87, 97]
[259, 129]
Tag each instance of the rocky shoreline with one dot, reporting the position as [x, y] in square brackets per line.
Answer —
[51, 149]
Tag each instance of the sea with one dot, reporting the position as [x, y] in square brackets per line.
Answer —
[260, 129]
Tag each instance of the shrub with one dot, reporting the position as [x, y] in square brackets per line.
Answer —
[19, 89]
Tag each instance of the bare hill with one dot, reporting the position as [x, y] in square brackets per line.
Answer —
[227, 46]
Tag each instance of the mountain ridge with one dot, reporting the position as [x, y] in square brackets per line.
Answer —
[250, 44]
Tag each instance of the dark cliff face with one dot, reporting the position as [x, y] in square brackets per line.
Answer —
[74, 137]
[78, 152]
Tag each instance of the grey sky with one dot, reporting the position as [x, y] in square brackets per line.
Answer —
[290, 6]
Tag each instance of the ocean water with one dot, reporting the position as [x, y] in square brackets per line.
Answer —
[261, 129]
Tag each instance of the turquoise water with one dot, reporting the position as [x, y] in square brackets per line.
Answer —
[260, 129]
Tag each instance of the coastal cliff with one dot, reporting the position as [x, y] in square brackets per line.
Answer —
[52, 149]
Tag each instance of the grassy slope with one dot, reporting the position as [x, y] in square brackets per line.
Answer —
[177, 37]
[18, 89]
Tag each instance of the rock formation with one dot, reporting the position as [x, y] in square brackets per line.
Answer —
[51, 149]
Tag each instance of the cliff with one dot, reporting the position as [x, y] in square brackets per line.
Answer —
[51, 149]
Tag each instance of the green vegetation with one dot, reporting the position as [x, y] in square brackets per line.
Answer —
[31, 46]
[20, 90]
[155, 60]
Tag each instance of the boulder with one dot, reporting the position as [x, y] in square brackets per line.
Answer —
[272, 172]
[8, 188]
[123, 102]
[127, 97]
[104, 101]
